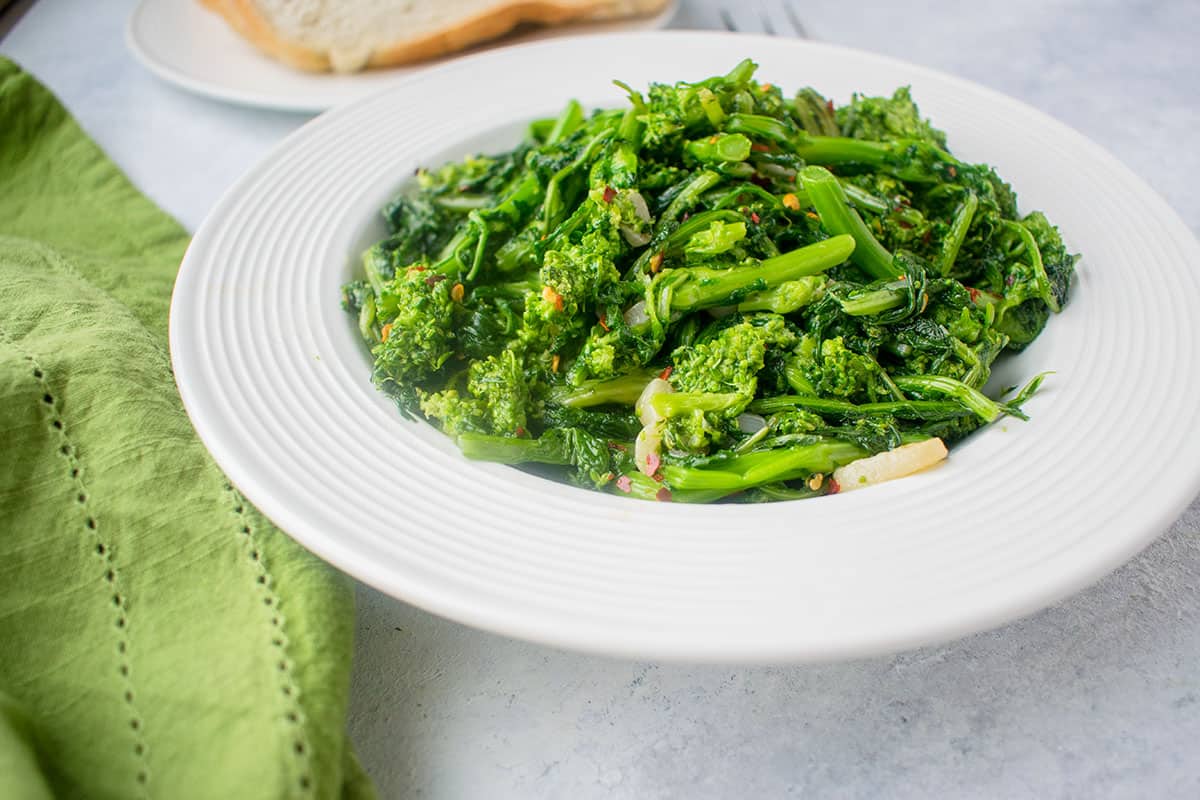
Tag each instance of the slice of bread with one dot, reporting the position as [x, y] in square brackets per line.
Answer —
[350, 35]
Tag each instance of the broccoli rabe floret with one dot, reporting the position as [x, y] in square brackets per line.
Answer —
[416, 313]
[546, 328]
[881, 118]
[730, 361]
[716, 379]
[496, 399]
[797, 421]
[834, 370]
[579, 273]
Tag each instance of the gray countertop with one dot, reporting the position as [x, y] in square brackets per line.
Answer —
[1098, 696]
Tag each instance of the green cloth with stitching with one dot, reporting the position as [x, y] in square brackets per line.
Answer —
[158, 637]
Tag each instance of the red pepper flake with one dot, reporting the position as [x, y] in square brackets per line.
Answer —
[759, 147]
[617, 446]
[904, 224]
[829, 106]
[385, 333]
[520, 431]
[666, 373]
[754, 217]
[553, 297]
[653, 462]
[953, 172]
[834, 486]
[766, 87]
[603, 321]
[416, 268]
[609, 194]
[434, 280]
[663, 495]
[624, 484]
[811, 215]
[971, 290]
[902, 278]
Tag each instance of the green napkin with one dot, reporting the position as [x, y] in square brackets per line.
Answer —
[158, 637]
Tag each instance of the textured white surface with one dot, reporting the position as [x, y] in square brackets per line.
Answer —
[1098, 696]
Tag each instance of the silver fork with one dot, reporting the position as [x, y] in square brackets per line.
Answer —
[772, 17]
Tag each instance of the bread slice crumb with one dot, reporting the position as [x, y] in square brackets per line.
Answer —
[351, 35]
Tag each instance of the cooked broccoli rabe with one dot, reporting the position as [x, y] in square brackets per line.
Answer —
[714, 292]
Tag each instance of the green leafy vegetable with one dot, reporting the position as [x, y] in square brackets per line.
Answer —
[716, 292]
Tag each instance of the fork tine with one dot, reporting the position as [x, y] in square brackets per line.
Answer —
[794, 18]
[781, 19]
[744, 17]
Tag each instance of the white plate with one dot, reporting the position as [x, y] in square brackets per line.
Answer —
[194, 48]
[277, 383]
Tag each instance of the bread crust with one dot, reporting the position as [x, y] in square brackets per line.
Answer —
[245, 18]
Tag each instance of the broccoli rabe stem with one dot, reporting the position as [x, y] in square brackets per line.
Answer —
[908, 159]
[1039, 268]
[716, 149]
[673, 404]
[643, 487]
[864, 199]
[922, 410]
[767, 466]
[958, 232]
[567, 123]
[703, 287]
[668, 244]
[624, 390]
[784, 298]
[700, 183]
[510, 450]
[876, 301]
[838, 217]
[553, 205]
[984, 407]
[472, 235]
[761, 127]
[742, 72]
[815, 113]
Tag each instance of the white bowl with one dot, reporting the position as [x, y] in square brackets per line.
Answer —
[277, 383]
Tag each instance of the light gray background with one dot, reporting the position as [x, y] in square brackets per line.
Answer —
[1096, 697]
